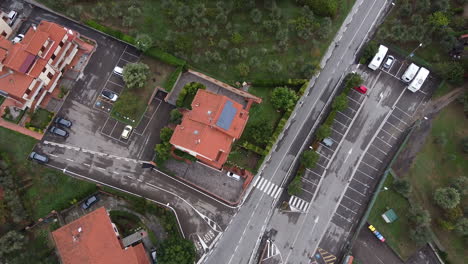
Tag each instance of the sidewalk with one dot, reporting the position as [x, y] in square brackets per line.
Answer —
[20, 129]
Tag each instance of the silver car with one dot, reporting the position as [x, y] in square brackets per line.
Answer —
[389, 62]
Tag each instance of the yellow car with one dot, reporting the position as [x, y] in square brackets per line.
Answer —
[372, 228]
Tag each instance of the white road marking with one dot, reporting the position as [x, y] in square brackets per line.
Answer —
[69, 159]
[388, 133]
[364, 184]
[347, 155]
[352, 200]
[372, 167]
[347, 209]
[374, 157]
[344, 115]
[343, 217]
[366, 174]
[356, 191]
[385, 142]
[385, 153]
[388, 122]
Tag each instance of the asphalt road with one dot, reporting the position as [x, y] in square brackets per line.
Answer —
[240, 241]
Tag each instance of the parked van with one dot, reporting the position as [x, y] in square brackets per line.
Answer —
[118, 70]
[12, 16]
[410, 73]
[418, 81]
[378, 58]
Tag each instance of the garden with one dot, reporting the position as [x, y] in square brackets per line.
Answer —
[40, 119]
[431, 197]
[288, 38]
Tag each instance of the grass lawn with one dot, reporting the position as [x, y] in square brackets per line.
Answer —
[396, 233]
[41, 118]
[243, 158]
[40, 197]
[435, 166]
[265, 109]
[159, 72]
[195, 36]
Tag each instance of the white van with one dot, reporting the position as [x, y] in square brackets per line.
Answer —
[12, 16]
[118, 70]
[418, 81]
[410, 73]
[378, 58]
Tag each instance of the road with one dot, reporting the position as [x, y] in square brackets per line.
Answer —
[242, 237]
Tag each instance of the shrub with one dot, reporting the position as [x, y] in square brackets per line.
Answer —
[420, 216]
[420, 235]
[451, 71]
[369, 52]
[165, 134]
[175, 116]
[172, 79]
[295, 187]
[461, 184]
[163, 151]
[143, 42]
[403, 187]
[165, 57]
[462, 226]
[283, 98]
[188, 93]
[340, 103]
[322, 7]
[258, 132]
[453, 214]
[447, 197]
[323, 131]
[243, 69]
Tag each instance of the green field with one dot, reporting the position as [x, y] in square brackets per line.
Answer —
[435, 166]
[396, 233]
[216, 37]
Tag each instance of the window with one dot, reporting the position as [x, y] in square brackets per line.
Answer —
[4, 34]
[50, 75]
[61, 44]
[43, 70]
[28, 92]
[43, 48]
[53, 56]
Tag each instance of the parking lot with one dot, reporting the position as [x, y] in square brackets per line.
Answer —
[389, 95]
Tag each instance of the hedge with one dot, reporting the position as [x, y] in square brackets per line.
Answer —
[170, 82]
[254, 148]
[303, 88]
[113, 32]
[165, 57]
[275, 83]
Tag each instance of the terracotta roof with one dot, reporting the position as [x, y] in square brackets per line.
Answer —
[211, 127]
[14, 83]
[91, 239]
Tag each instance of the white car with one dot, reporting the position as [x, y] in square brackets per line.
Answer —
[18, 38]
[126, 132]
[118, 70]
[109, 95]
[389, 61]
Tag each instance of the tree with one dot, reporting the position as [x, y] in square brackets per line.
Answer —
[295, 187]
[323, 8]
[325, 28]
[439, 19]
[340, 103]
[369, 52]
[180, 22]
[462, 226]
[99, 11]
[234, 54]
[420, 216]
[447, 197]
[144, 42]
[166, 134]
[309, 158]
[163, 151]
[256, 15]
[74, 11]
[177, 251]
[221, 18]
[274, 66]
[255, 62]
[353, 80]
[283, 98]
[135, 75]
[461, 184]
[175, 116]
[323, 132]
[223, 44]
[11, 242]
[237, 38]
[199, 10]
[440, 5]
[243, 69]
[420, 235]
[451, 71]
[423, 6]
[258, 132]
[403, 187]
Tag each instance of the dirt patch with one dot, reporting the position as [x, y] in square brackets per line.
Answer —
[160, 71]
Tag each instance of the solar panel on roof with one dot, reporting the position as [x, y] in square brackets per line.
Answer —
[227, 115]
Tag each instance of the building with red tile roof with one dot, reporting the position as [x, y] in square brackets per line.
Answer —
[31, 68]
[94, 239]
[209, 129]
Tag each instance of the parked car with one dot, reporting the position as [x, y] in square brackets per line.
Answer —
[233, 175]
[12, 17]
[18, 38]
[58, 131]
[90, 201]
[376, 233]
[126, 131]
[41, 158]
[109, 95]
[63, 122]
[389, 62]
[328, 142]
[361, 89]
[118, 70]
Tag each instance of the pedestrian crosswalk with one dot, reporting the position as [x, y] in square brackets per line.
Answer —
[297, 203]
[267, 187]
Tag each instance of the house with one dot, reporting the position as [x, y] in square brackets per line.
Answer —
[209, 129]
[5, 29]
[94, 239]
[31, 68]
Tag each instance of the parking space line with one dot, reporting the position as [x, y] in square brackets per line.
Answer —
[344, 115]
[314, 172]
[399, 119]
[309, 181]
[126, 60]
[341, 123]
[385, 142]
[307, 191]
[388, 133]
[321, 165]
[354, 100]
[131, 53]
[109, 81]
[364, 184]
[356, 191]
[347, 208]
[366, 174]
[336, 131]
[323, 145]
[395, 126]
[343, 217]
[69, 159]
[86, 164]
[402, 64]
[396, 107]
[374, 157]
[369, 166]
[352, 200]
[422, 92]
[322, 155]
[105, 123]
[151, 119]
[333, 141]
[385, 153]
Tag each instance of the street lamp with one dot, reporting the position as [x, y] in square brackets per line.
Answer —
[412, 53]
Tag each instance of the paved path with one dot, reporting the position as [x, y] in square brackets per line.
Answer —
[20, 129]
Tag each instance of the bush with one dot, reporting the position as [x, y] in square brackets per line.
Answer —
[295, 187]
[258, 132]
[188, 93]
[176, 250]
[453, 72]
[420, 216]
[163, 151]
[340, 103]
[283, 98]
[462, 226]
[172, 79]
[175, 116]
[165, 134]
[165, 57]
[420, 235]
[403, 187]
[309, 158]
[447, 197]
[143, 42]
[112, 32]
[369, 52]
[325, 8]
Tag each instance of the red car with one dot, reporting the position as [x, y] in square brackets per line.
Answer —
[362, 89]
